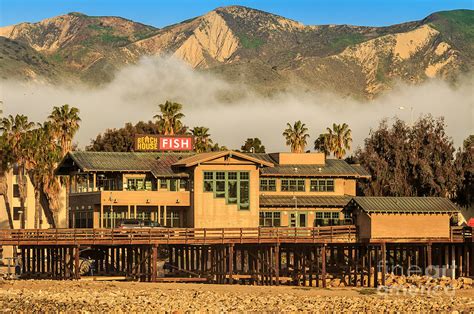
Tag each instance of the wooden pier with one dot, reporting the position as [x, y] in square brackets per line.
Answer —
[261, 256]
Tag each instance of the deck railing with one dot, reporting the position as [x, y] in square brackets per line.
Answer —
[178, 235]
[328, 234]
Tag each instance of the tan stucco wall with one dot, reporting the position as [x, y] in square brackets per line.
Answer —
[363, 224]
[29, 206]
[211, 212]
[300, 158]
[409, 226]
[29, 210]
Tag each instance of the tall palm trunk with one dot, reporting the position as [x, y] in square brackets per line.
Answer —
[4, 193]
[37, 208]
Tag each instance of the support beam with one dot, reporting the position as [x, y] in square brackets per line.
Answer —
[323, 265]
[154, 263]
[230, 262]
[384, 262]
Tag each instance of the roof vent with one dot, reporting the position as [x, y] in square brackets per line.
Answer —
[319, 169]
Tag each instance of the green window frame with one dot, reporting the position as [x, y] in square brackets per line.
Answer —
[268, 185]
[270, 219]
[293, 185]
[322, 185]
[233, 186]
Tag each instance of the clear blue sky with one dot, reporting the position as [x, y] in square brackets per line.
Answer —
[160, 13]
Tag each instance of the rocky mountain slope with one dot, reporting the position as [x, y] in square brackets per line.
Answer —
[268, 52]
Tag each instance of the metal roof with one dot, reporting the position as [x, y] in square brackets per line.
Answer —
[203, 157]
[333, 167]
[420, 205]
[168, 164]
[303, 201]
[159, 164]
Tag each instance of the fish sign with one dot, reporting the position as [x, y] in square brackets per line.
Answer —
[153, 143]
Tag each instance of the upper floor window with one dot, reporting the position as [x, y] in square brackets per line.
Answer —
[231, 185]
[293, 185]
[135, 184]
[322, 185]
[267, 185]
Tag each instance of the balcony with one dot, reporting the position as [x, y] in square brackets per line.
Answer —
[145, 198]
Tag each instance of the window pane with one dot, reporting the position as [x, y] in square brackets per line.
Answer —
[244, 192]
[208, 186]
[173, 185]
[335, 215]
[330, 185]
[244, 176]
[232, 175]
[232, 192]
[220, 189]
[163, 184]
[208, 175]
[220, 175]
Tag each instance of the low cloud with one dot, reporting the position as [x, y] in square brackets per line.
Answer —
[137, 90]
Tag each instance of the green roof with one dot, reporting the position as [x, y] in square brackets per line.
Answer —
[158, 164]
[420, 205]
[303, 201]
[333, 167]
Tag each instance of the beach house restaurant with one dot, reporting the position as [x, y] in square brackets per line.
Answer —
[213, 189]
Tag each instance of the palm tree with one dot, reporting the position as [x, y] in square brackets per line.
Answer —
[170, 118]
[202, 139]
[324, 143]
[43, 162]
[253, 145]
[296, 136]
[5, 166]
[14, 129]
[65, 123]
[342, 139]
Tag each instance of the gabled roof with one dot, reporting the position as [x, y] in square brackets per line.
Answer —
[204, 157]
[304, 201]
[158, 164]
[333, 167]
[417, 205]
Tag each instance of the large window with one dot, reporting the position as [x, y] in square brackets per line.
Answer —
[232, 185]
[322, 185]
[173, 184]
[267, 185]
[135, 184]
[270, 219]
[292, 185]
[327, 219]
[173, 218]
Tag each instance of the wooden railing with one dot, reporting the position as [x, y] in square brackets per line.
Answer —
[177, 235]
[330, 234]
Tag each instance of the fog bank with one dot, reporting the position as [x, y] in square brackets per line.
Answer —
[138, 89]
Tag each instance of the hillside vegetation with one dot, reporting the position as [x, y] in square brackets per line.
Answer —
[267, 52]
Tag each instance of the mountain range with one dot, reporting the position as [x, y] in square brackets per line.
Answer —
[267, 52]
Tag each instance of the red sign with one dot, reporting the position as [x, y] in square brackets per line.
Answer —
[163, 143]
[176, 143]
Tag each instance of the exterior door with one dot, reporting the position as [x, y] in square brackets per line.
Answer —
[298, 219]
